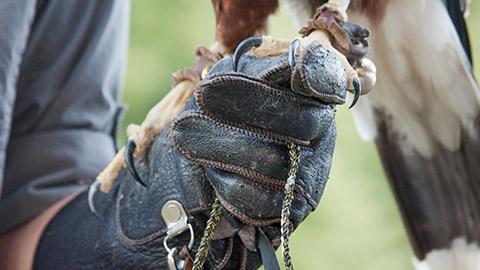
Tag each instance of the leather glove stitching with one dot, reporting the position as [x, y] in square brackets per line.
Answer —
[124, 237]
[257, 133]
[272, 72]
[220, 263]
[245, 218]
[257, 178]
[270, 88]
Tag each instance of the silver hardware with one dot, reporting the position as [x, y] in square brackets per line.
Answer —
[176, 220]
[171, 259]
[181, 264]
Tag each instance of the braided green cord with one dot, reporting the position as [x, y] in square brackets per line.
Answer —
[212, 222]
[202, 252]
[294, 153]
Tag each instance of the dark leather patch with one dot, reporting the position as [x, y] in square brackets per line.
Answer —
[257, 103]
[320, 74]
[228, 143]
[235, 150]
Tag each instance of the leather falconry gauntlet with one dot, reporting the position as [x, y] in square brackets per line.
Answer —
[228, 143]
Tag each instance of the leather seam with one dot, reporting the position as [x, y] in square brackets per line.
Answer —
[266, 86]
[124, 237]
[221, 263]
[264, 181]
[243, 217]
[243, 258]
[278, 68]
[269, 90]
[256, 178]
[303, 76]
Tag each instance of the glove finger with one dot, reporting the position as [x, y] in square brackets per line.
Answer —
[254, 204]
[320, 74]
[213, 144]
[274, 69]
[255, 104]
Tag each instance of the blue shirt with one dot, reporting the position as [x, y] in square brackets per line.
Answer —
[62, 66]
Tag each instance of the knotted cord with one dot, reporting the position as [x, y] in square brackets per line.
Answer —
[202, 252]
[294, 153]
[207, 237]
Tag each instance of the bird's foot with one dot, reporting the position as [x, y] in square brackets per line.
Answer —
[270, 46]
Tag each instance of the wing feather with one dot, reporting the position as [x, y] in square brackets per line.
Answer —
[426, 108]
[424, 117]
[424, 76]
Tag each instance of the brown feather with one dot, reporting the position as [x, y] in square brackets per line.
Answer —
[373, 9]
[438, 197]
[239, 19]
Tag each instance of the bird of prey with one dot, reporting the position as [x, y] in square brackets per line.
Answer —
[424, 117]
[423, 113]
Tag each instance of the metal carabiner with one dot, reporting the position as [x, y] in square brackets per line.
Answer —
[171, 259]
[177, 222]
[190, 243]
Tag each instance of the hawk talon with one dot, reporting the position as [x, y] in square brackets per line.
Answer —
[91, 194]
[357, 89]
[129, 149]
[292, 51]
[244, 46]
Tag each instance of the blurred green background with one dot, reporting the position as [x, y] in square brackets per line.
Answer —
[357, 224]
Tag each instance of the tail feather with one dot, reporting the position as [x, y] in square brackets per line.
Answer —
[460, 255]
[439, 196]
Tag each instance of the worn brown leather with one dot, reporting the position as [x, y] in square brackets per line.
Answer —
[228, 143]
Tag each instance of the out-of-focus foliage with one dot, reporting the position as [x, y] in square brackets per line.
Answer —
[357, 224]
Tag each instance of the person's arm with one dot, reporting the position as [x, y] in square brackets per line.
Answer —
[15, 22]
[17, 248]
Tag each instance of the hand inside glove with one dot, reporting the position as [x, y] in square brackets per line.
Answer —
[230, 142]
[239, 123]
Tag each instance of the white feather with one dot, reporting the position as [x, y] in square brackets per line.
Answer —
[301, 11]
[424, 79]
[465, 6]
[364, 120]
[459, 256]
[423, 82]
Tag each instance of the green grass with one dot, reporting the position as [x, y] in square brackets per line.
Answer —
[357, 224]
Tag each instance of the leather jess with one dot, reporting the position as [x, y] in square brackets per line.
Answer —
[228, 143]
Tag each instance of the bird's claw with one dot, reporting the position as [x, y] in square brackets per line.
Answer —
[357, 89]
[91, 195]
[268, 46]
[292, 50]
[129, 149]
[244, 46]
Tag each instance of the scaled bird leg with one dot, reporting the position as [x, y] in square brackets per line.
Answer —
[340, 5]
[245, 46]
[272, 46]
[322, 36]
[292, 50]
[129, 149]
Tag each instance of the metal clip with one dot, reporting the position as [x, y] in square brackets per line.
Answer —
[171, 259]
[177, 222]
[175, 218]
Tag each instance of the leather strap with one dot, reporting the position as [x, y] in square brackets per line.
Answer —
[267, 252]
[187, 257]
